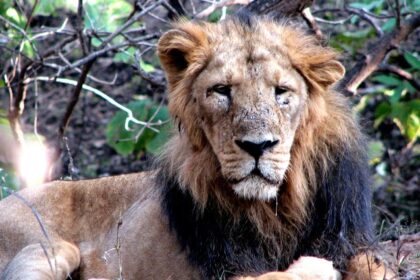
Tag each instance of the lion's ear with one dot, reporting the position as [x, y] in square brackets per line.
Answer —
[318, 64]
[182, 49]
[325, 73]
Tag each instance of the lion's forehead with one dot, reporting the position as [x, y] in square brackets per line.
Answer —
[253, 59]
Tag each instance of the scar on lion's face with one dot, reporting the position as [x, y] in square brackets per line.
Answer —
[248, 97]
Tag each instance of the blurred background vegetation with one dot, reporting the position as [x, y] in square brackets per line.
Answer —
[47, 46]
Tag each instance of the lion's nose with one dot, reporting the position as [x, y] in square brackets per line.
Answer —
[255, 149]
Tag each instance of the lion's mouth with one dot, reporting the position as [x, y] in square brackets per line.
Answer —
[254, 173]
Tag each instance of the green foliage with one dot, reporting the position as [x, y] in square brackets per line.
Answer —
[375, 151]
[369, 5]
[400, 106]
[51, 7]
[106, 15]
[125, 142]
[8, 181]
[412, 60]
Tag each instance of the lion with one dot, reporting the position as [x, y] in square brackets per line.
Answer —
[266, 177]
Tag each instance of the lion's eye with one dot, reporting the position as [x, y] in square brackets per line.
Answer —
[281, 90]
[281, 97]
[221, 89]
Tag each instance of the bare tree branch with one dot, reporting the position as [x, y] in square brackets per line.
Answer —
[79, 27]
[217, 5]
[130, 22]
[74, 98]
[367, 17]
[375, 54]
[389, 68]
[278, 8]
[310, 20]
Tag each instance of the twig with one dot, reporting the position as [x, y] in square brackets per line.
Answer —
[79, 27]
[129, 22]
[335, 11]
[94, 55]
[74, 98]
[397, 13]
[217, 5]
[367, 17]
[278, 8]
[156, 80]
[20, 31]
[136, 138]
[334, 22]
[310, 20]
[375, 54]
[130, 115]
[175, 8]
[93, 78]
[389, 68]
[17, 104]
[28, 22]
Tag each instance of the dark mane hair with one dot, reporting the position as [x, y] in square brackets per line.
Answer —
[339, 224]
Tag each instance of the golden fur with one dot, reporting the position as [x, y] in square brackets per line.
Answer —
[112, 227]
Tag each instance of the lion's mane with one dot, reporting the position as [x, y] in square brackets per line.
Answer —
[323, 206]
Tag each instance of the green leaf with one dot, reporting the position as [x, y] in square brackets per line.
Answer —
[406, 116]
[381, 113]
[375, 151]
[4, 5]
[155, 146]
[389, 25]
[358, 34]
[412, 60]
[397, 93]
[28, 49]
[8, 180]
[15, 17]
[370, 5]
[146, 67]
[410, 87]
[215, 16]
[362, 103]
[125, 56]
[124, 142]
[413, 127]
[51, 7]
[387, 80]
[106, 15]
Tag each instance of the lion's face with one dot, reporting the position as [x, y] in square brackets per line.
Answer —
[242, 90]
[249, 101]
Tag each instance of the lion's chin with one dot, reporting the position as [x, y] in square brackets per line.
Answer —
[256, 187]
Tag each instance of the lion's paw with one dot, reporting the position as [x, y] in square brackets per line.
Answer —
[314, 268]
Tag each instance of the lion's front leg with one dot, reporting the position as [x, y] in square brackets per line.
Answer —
[305, 268]
[37, 263]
